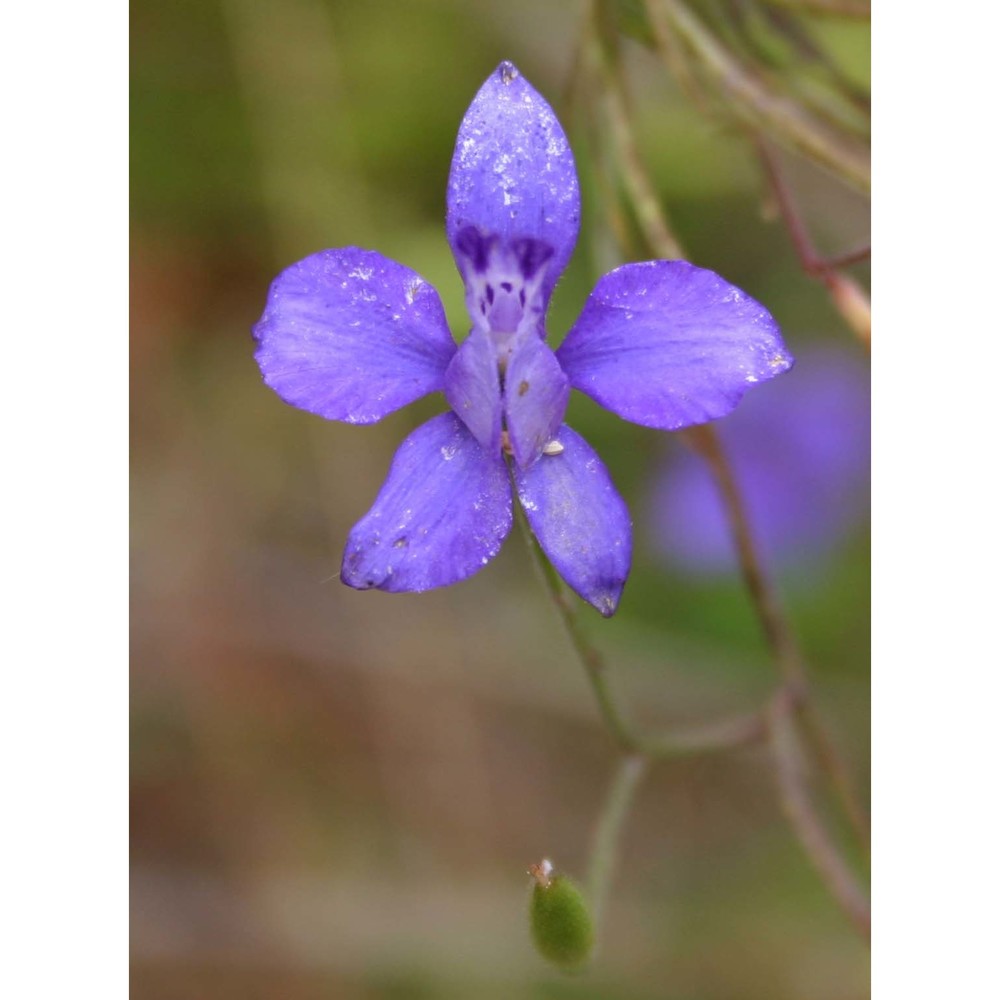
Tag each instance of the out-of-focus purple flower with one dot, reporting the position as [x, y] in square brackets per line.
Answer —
[801, 456]
[351, 335]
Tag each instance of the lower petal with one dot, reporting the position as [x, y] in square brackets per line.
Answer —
[472, 388]
[579, 519]
[441, 515]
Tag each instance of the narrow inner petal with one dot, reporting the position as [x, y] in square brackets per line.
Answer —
[472, 388]
[536, 393]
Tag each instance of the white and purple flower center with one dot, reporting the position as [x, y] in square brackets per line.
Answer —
[504, 286]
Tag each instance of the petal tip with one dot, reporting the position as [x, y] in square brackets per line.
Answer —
[356, 575]
[607, 602]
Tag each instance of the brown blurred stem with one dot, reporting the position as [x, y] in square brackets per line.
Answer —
[848, 297]
[765, 602]
[794, 694]
[803, 817]
[777, 632]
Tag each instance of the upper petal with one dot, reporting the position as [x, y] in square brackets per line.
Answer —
[668, 344]
[352, 335]
[441, 515]
[536, 391]
[513, 175]
[579, 519]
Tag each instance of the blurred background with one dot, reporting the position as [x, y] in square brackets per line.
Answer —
[337, 794]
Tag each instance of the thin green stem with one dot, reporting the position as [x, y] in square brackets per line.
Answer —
[711, 737]
[607, 834]
[589, 655]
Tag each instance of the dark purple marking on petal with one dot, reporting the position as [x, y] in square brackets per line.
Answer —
[579, 519]
[667, 344]
[536, 391]
[512, 174]
[351, 335]
[441, 515]
[503, 283]
[472, 388]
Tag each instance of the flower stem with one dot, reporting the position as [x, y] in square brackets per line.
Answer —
[711, 737]
[777, 632]
[607, 834]
[793, 694]
[848, 298]
[799, 810]
[589, 655]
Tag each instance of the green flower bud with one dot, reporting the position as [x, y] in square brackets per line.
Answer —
[560, 920]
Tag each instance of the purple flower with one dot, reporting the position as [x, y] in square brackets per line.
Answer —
[801, 457]
[351, 335]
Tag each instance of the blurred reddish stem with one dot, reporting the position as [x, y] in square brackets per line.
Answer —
[801, 813]
[776, 630]
[752, 100]
[848, 297]
[792, 698]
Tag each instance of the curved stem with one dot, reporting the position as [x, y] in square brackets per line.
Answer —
[607, 833]
[849, 299]
[589, 655]
[777, 632]
[711, 737]
[801, 814]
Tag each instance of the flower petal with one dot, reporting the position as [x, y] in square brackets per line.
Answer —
[352, 335]
[667, 344]
[536, 391]
[513, 175]
[472, 388]
[441, 515]
[579, 519]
